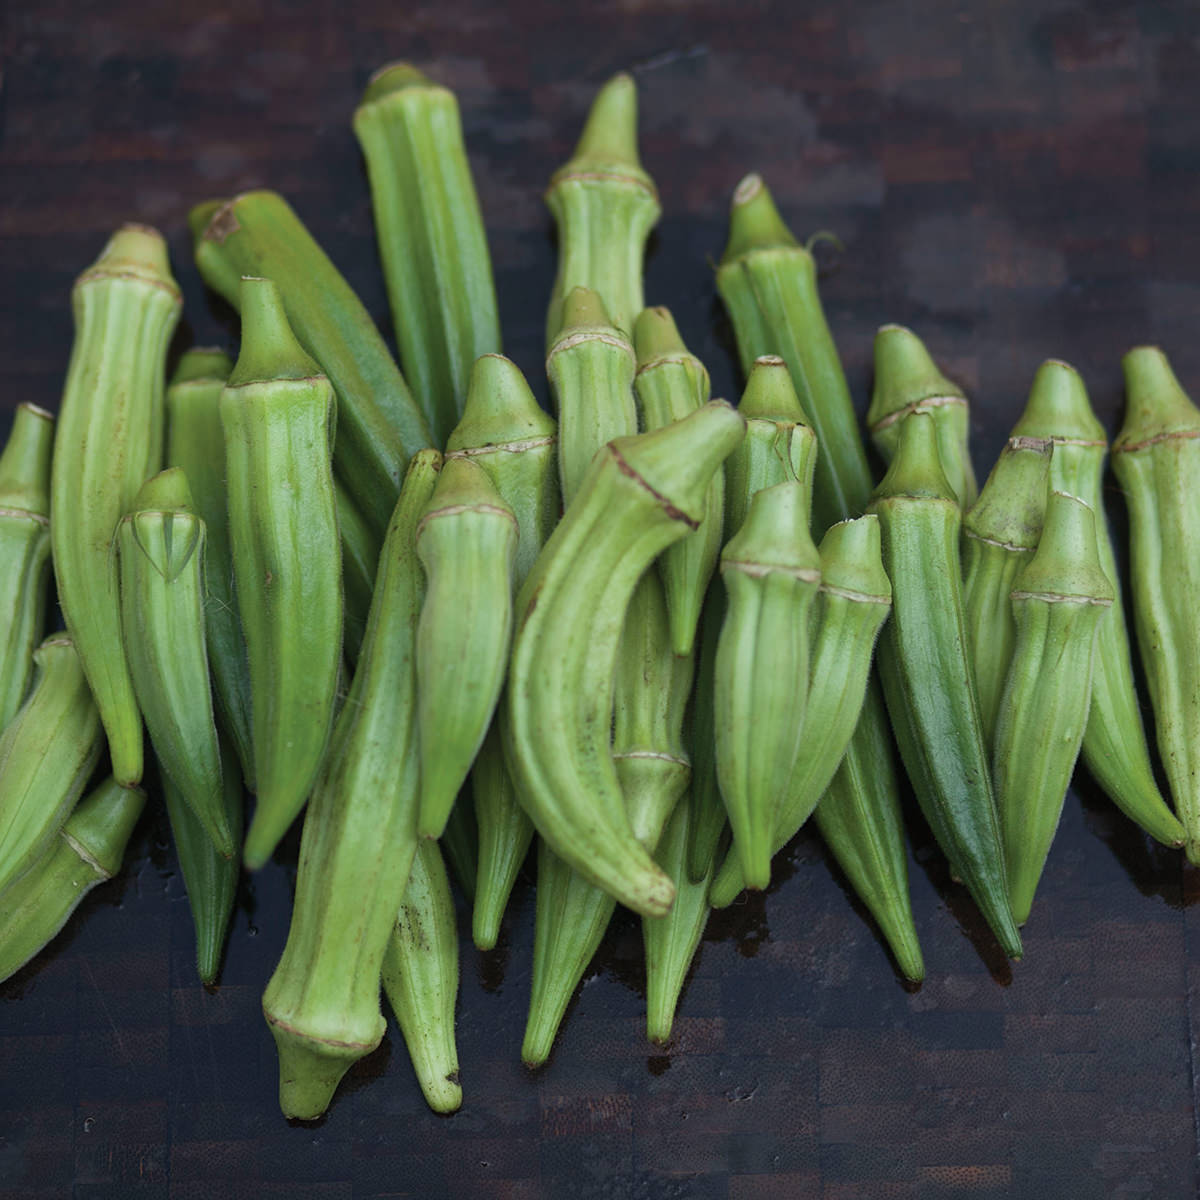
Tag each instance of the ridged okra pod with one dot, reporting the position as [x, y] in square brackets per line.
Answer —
[1058, 600]
[420, 977]
[196, 444]
[466, 541]
[641, 494]
[109, 440]
[927, 674]
[708, 823]
[360, 557]
[160, 543]
[1115, 749]
[211, 879]
[771, 572]
[24, 550]
[908, 380]
[47, 754]
[378, 425]
[277, 413]
[670, 383]
[1156, 458]
[87, 850]
[431, 237]
[1000, 534]
[604, 205]
[322, 1003]
[505, 432]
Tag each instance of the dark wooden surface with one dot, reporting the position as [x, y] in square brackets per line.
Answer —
[1015, 180]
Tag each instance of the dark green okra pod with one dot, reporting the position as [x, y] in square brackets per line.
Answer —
[1058, 601]
[87, 851]
[108, 442]
[322, 1003]
[24, 550]
[277, 413]
[431, 237]
[460, 844]
[927, 674]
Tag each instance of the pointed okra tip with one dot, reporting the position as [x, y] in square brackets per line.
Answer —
[1066, 564]
[656, 336]
[770, 394]
[1156, 404]
[101, 825]
[1058, 407]
[25, 462]
[134, 252]
[916, 471]
[583, 309]
[610, 132]
[852, 560]
[500, 408]
[269, 347]
[310, 1069]
[202, 364]
[754, 222]
[905, 375]
[774, 536]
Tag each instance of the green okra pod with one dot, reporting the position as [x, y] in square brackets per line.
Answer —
[87, 850]
[322, 1003]
[640, 494]
[928, 677]
[360, 557]
[1155, 457]
[604, 205]
[466, 541]
[378, 425]
[907, 380]
[47, 754]
[708, 821]
[431, 237]
[1058, 600]
[1000, 533]
[420, 976]
[277, 413]
[460, 845]
[196, 444]
[108, 442]
[160, 545]
[24, 550]
[1115, 749]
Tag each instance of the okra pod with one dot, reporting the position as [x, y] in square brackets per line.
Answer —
[360, 557]
[708, 822]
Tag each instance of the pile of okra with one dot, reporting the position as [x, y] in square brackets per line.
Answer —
[437, 624]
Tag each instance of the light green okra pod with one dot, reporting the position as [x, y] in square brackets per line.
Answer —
[109, 440]
[160, 544]
[641, 494]
[928, 677]
[1156, 458]
[1000, 534]
[24, 550]
[360, 557]
[907, 380]
[466, 541]
[1058, 601]
[378, 424]
[604, 205]
[505, 432]
[431, 237]
[196, 444]
[47, 754]
[420, 976]
[87, 850]
[277, 413]
[322, 1003]
[1115, 749]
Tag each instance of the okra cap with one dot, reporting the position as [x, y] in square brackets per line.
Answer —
[1157, 406]
[916, 471]
[202, 364]
[134, 252]
[463, 485]
[200, 216]
[755, 223]
[1010, 508]
[657, 337]
[25, 462]
[1058, 407]
[396, 77]
[852, 560]
[269, 348]
[101, 825]
[500, 409]
[608, 144]
[1066, 565]
[905, 376]
[774, 535]
[770, 394]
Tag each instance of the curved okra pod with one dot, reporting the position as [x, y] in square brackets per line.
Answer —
[1156, 457]
[670, 383]
[360, 557]
[927, 674]
[322, 1003]
[87, 851]
[378, 424]
[431, 239]
[277, 413]
[604, 205]
[505, 432]
[24, 550]
[420, 977]
[108, 442]
[210, 878]
[160, 544]
[907, 380]
[196, 444]
[640, 494]
[771, 571]
[466, 541]
[1000, 534]
[1115, 750]
[1058, 601]
[47, 754]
